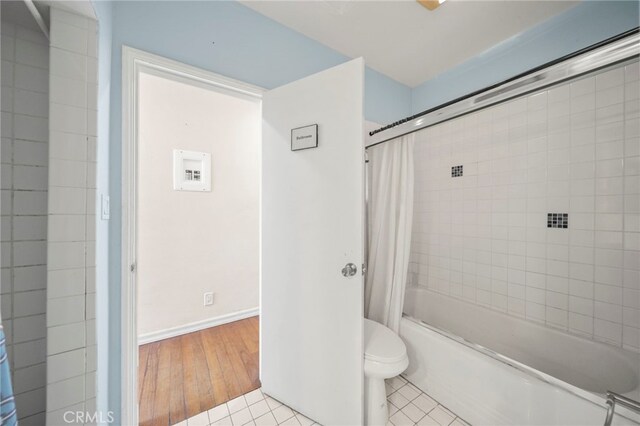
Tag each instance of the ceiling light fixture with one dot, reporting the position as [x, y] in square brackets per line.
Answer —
[431, 4]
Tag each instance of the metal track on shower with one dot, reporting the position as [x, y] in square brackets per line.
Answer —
[617, 49]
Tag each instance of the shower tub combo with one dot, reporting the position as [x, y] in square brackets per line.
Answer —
[491, 368]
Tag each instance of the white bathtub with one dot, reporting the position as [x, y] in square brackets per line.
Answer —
[493, 369]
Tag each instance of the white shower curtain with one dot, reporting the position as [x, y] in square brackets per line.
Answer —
[390, 220]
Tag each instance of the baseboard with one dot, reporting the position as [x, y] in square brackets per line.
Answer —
[196, 326]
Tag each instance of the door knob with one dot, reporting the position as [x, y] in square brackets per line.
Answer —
[349, 270]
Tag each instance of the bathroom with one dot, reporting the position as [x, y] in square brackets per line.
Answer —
[443, 227]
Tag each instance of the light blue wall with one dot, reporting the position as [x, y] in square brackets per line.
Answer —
[581, 26]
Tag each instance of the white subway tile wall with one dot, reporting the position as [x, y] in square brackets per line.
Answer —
[71, 351]
[24, 159]
[483, 237]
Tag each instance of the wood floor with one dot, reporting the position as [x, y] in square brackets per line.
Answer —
[185, 375]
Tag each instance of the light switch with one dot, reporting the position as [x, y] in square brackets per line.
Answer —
[105, 208]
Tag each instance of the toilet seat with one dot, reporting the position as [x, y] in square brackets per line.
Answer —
[382, 344]
[385, 354]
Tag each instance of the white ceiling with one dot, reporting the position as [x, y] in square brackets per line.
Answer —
[404, 40]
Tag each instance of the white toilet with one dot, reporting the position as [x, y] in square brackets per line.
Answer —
[385, 356]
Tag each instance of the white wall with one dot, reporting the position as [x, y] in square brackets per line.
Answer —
[483, 237]
[193, 242]
[25, 100]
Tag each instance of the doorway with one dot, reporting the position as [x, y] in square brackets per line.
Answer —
[307, 368]
[194, 219]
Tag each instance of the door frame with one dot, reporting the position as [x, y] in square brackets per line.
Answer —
[134, 62]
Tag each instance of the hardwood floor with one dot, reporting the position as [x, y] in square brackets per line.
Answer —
[185, 375]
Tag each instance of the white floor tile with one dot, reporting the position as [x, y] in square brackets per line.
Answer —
[441, 415]
[282, 413]
[408, 406]
[266, 420]
[427, 421]
[425, 403]
[388, 388]
[392, 408]
[182, 423]
[254, 396]
[259, 408]
[226, 421]
[304, 421]
[219, 412]
[237, 404]
[401, 419]
[273, 403]
[397, 382]
[291, 421]
[241, 417]
[409, 392]
[398, 400]
[201, 419]
[413, 412]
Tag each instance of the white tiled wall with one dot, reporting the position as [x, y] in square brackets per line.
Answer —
[483, 237]
[71, 349]
[25, 100]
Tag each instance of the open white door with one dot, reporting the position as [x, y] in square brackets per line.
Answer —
[312, 226]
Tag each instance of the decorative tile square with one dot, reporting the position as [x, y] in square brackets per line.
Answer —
[558, 220]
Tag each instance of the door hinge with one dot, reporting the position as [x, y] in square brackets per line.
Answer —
[132, 268]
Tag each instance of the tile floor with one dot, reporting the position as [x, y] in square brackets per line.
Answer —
[408, 406]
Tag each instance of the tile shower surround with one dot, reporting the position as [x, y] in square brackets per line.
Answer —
[71, 291]
[25, 111]
[483, 237]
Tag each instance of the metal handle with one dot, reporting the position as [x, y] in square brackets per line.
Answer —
[349, 270]
[612, 399]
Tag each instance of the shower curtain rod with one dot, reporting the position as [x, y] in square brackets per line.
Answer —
[616, 49]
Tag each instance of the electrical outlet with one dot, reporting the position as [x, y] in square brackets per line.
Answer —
[208, 298]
